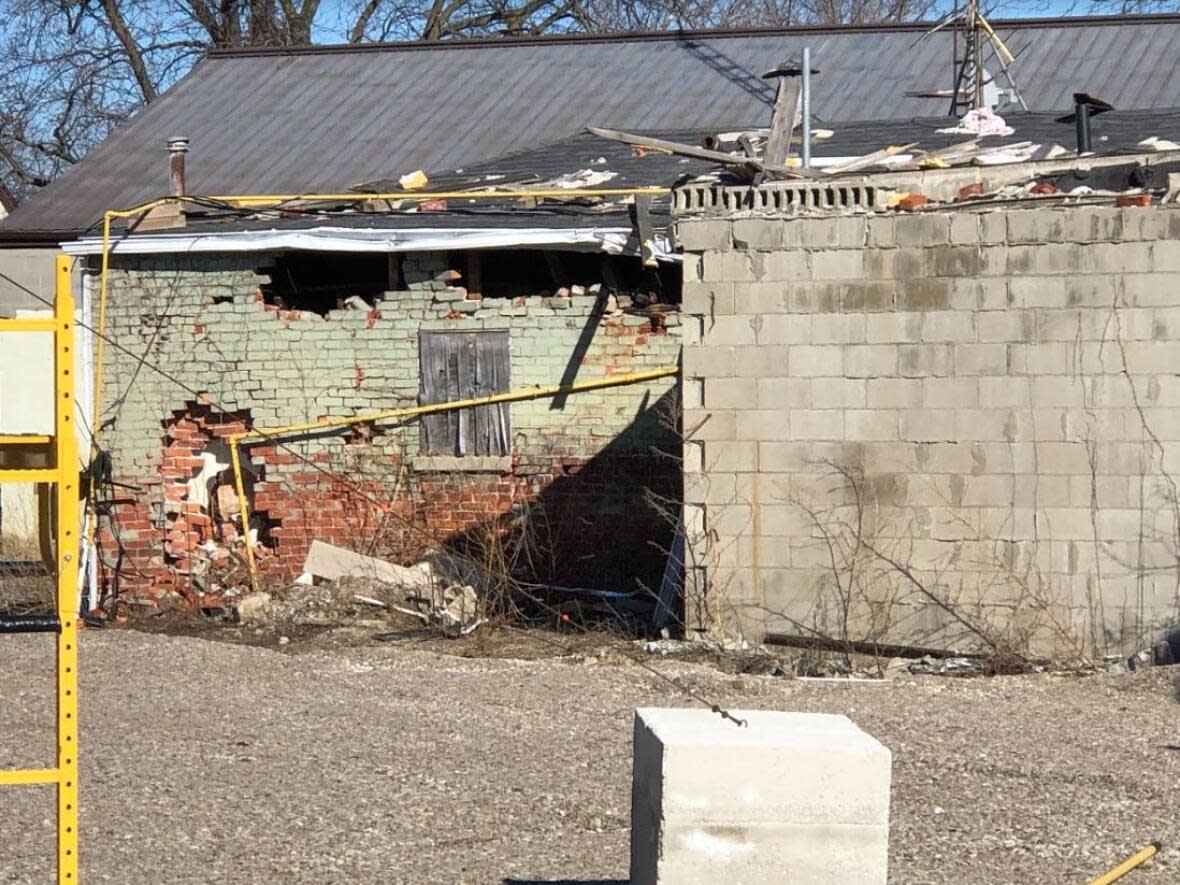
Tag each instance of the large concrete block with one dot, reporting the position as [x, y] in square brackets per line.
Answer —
[788, 797]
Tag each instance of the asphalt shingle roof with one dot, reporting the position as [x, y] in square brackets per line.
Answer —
[323, 118]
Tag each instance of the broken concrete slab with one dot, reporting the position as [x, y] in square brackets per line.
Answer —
[786, 797]
[331, 563]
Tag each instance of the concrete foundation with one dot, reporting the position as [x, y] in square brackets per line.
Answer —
[789, 797]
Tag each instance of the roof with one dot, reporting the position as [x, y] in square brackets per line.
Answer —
[324, 118]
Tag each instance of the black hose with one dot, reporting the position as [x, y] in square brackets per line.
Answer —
[10, 623]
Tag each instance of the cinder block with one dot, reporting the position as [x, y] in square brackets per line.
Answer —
[818, 424]
[981, 359]
[838, 328]
[1004, 393]
[928, 425]
[870, 425]
[730, 457]
[769, 425]
[708, 299]
[894, 393]
[762, 234]
[728, 266]
[881, 232]
[700, 235]
[784, 393]
[1151, 289]
[922, 360]
[730, 393]
[948, 325]
[786, 797]
[1006, 325]
[965, 228]
[837, 264]
[870, 360]
[882, 328]
[784, 328]
[732, 331]
[708, 362]
[788, 266]
[950, 393]
[766, 361]
[760, 298]
[923, 230]
[838, 393]
[812, 361]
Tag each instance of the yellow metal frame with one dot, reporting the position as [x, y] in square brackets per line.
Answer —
[63, 476]
[256, 436]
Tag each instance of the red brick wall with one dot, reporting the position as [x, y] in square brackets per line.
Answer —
[589, 516]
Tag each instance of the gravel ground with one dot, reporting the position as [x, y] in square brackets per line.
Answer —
[210, 762]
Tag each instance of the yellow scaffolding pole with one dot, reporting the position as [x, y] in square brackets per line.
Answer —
[63, 477]
[1133, 862]
[251, 437]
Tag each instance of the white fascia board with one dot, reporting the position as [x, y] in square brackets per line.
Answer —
[612, 240]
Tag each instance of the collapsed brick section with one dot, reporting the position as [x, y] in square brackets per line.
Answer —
[579, 472]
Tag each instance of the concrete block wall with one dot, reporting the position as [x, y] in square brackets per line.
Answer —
[952, 428]
[233, 360]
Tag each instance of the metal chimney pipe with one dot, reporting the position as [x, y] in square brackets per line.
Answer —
[806, 153]
[177, 148]
[1081, 115]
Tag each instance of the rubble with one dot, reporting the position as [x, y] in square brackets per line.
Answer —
[255, 608]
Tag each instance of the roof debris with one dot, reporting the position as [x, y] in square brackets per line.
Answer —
[980, 121]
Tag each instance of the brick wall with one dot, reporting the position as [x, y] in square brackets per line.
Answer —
[579, 467]
[949, 428]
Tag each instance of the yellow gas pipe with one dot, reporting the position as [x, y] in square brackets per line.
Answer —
[530, 393]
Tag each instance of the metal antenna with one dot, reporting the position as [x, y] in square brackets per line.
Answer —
[970, 76]
[968, 90]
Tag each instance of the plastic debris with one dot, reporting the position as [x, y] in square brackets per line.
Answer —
[980, 121]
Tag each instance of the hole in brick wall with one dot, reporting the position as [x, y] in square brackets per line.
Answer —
[324, 281]
[507, 273]
[362, 434]
[200, 495]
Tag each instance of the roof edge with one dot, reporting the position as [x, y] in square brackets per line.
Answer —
[1076, 21]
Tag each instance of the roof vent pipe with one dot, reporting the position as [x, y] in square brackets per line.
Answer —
[177, 148]
[1081, 118]
[1084, 107]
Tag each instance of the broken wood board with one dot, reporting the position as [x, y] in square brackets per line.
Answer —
[870, 159]
[332, 563]
[740, 164]
[782, 124]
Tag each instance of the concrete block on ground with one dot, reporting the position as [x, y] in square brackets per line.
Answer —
[789, 797]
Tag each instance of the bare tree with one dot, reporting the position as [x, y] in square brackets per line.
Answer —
[73, 70]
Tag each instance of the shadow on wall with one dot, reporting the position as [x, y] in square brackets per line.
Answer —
[602, 523]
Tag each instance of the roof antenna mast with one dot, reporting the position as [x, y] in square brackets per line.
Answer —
[970, 75]
[969, 31]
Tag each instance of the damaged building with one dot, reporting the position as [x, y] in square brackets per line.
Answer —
[922, 394]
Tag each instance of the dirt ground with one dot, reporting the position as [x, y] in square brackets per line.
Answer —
[336, 759]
